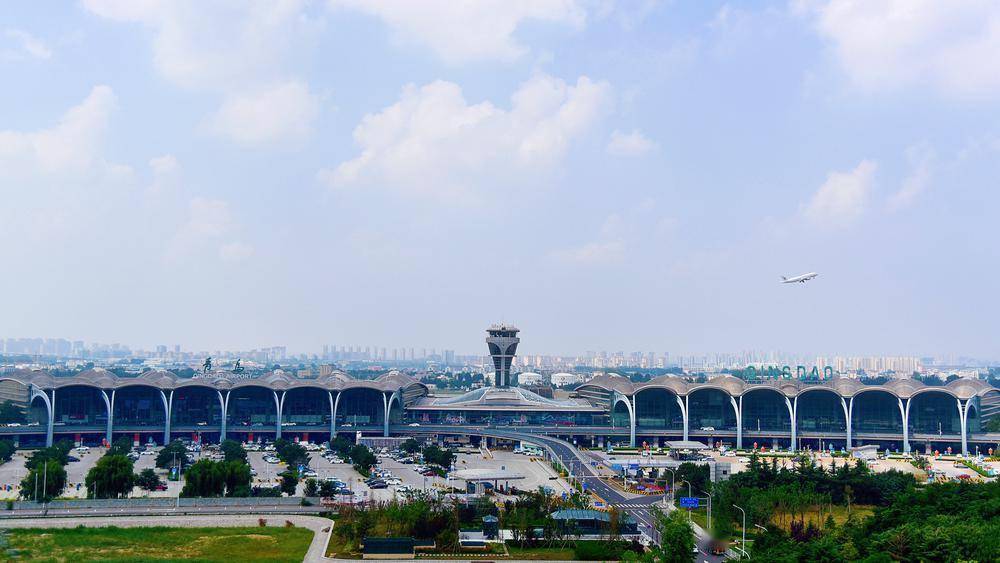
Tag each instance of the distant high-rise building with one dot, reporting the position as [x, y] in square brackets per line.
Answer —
[502, 341]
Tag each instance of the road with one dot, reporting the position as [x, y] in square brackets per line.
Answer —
[579, 467]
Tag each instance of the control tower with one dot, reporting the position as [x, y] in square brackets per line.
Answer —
[502, 341]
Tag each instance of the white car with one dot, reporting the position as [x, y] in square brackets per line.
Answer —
[271, 459]
[147, 452]
[414, 424]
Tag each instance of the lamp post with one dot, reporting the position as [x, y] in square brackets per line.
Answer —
[672, 476]
[709, 508]
[689, 494]
[743, 544]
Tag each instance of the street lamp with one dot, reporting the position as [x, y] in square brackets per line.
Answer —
[689, 494]
[743, 547]
[709, 508]
[672, 476]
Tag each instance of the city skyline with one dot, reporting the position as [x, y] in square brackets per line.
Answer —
[620, 176]
[875, 363]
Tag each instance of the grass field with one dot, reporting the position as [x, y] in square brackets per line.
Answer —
[783, 521]
[542, 553]
[858, 512]
[161, 544]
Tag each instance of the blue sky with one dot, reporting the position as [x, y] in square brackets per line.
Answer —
[608, 175]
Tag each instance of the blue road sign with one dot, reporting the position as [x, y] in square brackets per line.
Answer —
[689, 502]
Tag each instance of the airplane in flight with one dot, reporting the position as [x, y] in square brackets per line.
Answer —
[799, 279]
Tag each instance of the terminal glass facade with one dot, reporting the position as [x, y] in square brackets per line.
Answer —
[307, 406]
[139, 406]
[252, 407]
[81, 406]
[711, 408]
[195, 406]
[934, 413]
[820, 411]
[765, 410]
[360, 407]
[876, 412]
[658, 408]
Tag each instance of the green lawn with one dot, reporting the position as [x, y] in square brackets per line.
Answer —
[161, 544]
[542, 553]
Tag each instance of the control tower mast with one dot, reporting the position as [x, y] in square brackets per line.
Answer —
[502, 341]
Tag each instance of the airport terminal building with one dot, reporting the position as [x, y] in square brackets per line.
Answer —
[903, 414]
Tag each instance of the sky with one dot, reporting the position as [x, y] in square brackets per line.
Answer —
[606, 175]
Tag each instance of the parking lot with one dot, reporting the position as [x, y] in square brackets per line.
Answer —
[536, 473]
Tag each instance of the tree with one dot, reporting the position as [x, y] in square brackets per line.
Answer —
[7, 450]
[173, 454]
[342, 446]
[438, 456]
[147, 479]
[207, 478]
[362, 458]
[289, 481]
[410, 446]
[111, 477]
[233, 451]
[49, 478]
[204, 479]
[697, 475]
[312, 488]
[58, 453]
[236, 475]
[676, 538]
[291, 453]
[327, 489]
[121, 446]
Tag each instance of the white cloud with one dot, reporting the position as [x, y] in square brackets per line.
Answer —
[921, 158]
[893, 44]
[25, 46]
[459, 31]
[216, 45]
[843, 197]
[71, 146]
[283, 112]
[166, 170]
[242, 50]
[432, 142]
[629, 144]
[594, 253]
[235, 252]
[209, 224]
